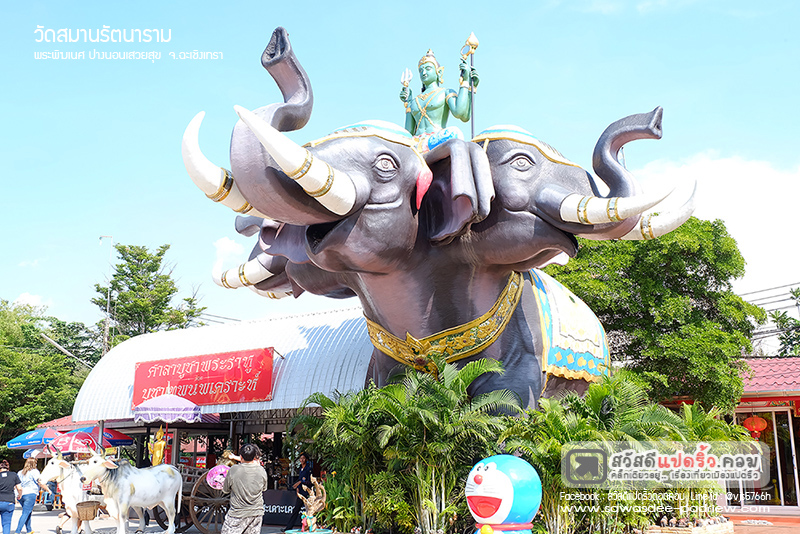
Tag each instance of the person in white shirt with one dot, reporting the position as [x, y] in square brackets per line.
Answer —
[29, 479]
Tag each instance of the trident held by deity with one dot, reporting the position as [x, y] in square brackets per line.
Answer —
[469, 50]
[406, 77]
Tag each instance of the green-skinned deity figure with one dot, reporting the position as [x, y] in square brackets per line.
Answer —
[427, 112]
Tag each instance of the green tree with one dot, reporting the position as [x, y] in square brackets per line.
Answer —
[83, 342]
[37, 383]
[619, 407]
[788, 329]
[669, 310]
[141, 293]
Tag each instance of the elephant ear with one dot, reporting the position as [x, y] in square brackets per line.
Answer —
[461, 192]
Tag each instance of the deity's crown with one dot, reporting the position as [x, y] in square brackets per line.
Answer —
[429, 58]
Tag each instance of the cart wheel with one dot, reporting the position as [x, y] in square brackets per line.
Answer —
[208, 507]
[182, 523]
[161, 517]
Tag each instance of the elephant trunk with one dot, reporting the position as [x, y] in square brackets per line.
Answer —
[218, 183]
[613, 216]
[304, 194]
[298, 99]
[605, 159]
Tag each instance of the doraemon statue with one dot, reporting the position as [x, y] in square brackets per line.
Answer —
[503, 494]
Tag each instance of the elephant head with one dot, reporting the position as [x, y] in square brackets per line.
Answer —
[543, 200]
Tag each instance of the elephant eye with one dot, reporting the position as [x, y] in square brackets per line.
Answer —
[385, 164]
[521, 162]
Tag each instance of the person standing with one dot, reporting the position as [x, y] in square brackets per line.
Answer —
[246, 482]
[29, 480]
[9, 483]
[303, 480]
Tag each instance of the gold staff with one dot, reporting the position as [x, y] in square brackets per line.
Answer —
[469, 50]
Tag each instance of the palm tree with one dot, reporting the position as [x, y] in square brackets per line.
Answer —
[694, 424]
[539, 436]
[697, 424]
[344, 437]
[618, 405]
[435, 430]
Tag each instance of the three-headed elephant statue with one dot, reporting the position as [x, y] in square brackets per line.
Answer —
[440, 247]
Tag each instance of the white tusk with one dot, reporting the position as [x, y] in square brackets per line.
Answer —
[247, 274]
[217, 183]
[316, 177]
[271, 294]
[598, 210]
[653, 225]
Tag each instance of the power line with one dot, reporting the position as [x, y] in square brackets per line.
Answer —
[789, 307]
[762, 304]
[211, 320]
[769, 289]
[219, 317]
[65, 351]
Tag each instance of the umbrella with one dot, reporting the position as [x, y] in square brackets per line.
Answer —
[167, 408]
[33, 439]
[77, 442]
[114, 438]
[37, 453]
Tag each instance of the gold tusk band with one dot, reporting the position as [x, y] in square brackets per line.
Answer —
[612, 207]
[242, 278]
[245, 208]
[646, 228]
[582, 207]
[325, 188]
[303, 169]
[224, 188]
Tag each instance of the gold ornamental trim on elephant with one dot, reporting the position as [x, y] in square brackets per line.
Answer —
[455, 343]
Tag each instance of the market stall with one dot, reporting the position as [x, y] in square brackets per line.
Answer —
[247, 379]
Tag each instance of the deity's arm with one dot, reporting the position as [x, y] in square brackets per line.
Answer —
[405, 98]
[411, 123]
[460, 103]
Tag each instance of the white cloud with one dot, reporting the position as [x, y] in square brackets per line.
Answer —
[26, 299]
[228, 251]
[227, 248]
[604, 7]
[757, 202]
[29, 263]
[648, 6]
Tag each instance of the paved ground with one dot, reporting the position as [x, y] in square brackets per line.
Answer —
[45, 522]
[780, 525]
[776, 529]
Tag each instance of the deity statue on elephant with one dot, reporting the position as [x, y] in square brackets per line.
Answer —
[427, 113]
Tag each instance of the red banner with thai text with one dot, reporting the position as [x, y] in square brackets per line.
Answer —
[225, 378]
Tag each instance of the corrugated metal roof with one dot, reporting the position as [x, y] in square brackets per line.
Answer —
[323, 352]
[780, 375]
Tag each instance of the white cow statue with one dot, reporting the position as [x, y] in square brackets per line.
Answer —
[68, 477]
[126, 487]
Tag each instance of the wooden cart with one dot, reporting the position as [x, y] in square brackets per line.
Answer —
[201, 505]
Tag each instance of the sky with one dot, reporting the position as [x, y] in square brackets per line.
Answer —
[91, 147]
